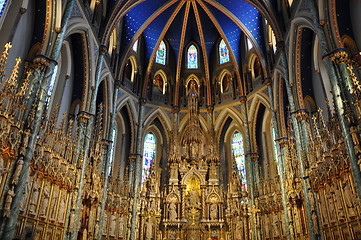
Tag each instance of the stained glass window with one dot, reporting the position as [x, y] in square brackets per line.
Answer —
[238, 153]
[2, 6]
[161, 53]
[192, 57]
[223, 52]
[148, 154]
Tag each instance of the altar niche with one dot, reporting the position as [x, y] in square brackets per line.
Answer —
[193, 205]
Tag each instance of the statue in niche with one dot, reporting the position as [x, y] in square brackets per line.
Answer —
[183, 165]
[297, 220]
[276, 232]
[239, 231]
[26, 191]
[45, 200]
[315, 222]
[98, 214]
[148, 230]
[266, 225]
[312, 200]
[85, 234]
[113, 224]
[92, 218]
[193, 87]
[96, 229]
[121, 227]
[331, 207]
[19, 167]
[292, 230]
[339, 204]
[355, 139]
[153, 205]
[71, 221]
[62, 208]
[193, 192]
[172, 212]
[323, 209]
[34, 197]
[193, 149]
[8, 201]
[213, 171]
[105, 223]
[173, 171]
[2, 167]
[349, 197]
[54, 203]
[193, 199]
[213, 211]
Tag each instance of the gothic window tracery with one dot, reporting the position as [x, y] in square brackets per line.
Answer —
[149, 151]
[239, 157]
[223, 52]
[192, 57]
[161, 53]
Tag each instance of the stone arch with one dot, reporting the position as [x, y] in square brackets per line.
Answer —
[294, 67]
[222, 117]
[162, 87]
[224, 87]
[193, 172]
[163, 117]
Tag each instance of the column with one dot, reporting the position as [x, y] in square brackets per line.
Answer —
[7, 224]
[348, 81]
[108, 157]
[249, 167]
[302, 155]
[86, 126]
[138, 169]
[280, 161]
[338, 100]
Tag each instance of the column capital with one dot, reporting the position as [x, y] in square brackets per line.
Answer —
[243, 99]
[254, 156]
[40, 63]
[133, 156]
[210, 108]
[301, 114]
[83, 117]
[356, 60]
[268, 81]
[175, 109]
[103, 49]
[283, 142]
[339, 56]
[280, 45]
[142, 101]
[117, 84]
[22, 10]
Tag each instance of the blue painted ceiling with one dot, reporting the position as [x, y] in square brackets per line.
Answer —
[155, 19]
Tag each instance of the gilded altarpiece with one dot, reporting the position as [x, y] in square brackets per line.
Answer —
[193, 204]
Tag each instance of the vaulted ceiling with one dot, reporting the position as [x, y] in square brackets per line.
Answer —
[180, 22]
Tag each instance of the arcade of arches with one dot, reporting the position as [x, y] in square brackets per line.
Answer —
[180, 119]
